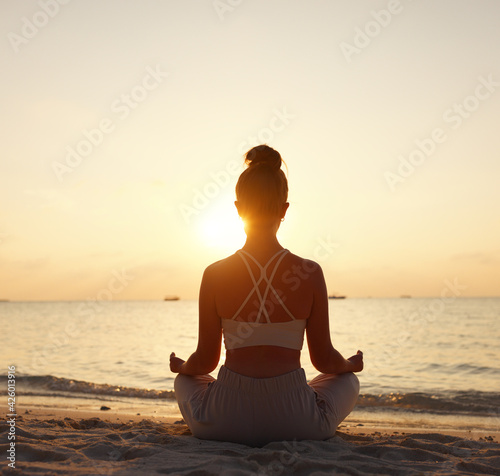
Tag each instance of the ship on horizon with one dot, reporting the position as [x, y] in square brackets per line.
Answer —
[171, 298]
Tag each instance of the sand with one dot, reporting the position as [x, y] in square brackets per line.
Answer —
[51, 441]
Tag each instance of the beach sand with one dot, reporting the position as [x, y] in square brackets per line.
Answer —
[58, 441]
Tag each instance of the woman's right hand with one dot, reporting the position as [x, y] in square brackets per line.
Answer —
[357, 362]
[175, 363]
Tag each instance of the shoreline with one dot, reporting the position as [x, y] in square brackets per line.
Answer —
[353, 426]
[346, 427]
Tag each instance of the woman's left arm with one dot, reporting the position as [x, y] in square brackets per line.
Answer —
[206, 357]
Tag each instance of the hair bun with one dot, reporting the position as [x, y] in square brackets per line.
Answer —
[263, 155]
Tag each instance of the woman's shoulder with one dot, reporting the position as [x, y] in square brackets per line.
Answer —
[297, 270]
[222, 272]
[221, 266]
[305, 264]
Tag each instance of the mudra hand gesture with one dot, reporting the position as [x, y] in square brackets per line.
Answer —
[175, 363]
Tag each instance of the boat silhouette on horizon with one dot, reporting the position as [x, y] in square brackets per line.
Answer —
[171, 298]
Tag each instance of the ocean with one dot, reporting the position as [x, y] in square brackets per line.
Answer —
[429, 362]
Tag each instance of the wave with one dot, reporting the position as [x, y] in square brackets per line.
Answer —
[459, 402]
[48, 385]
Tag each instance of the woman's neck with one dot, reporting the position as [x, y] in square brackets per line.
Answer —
[262, 243]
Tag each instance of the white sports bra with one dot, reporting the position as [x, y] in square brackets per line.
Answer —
[237, 333]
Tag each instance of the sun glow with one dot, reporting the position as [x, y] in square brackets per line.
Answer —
[221, 228]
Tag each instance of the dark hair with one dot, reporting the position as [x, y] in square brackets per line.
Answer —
[262, 188]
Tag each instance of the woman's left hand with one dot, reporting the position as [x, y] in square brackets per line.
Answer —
[175, 363]
[356, 362]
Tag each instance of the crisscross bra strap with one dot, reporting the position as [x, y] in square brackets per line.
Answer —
[269, 286]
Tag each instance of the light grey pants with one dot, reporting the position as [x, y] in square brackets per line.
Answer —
[256, 411]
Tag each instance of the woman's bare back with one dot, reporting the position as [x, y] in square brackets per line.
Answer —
[232, 285]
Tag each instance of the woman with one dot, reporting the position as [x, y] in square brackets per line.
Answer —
[262, 299]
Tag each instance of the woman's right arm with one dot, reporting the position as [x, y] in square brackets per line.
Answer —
[325, 358]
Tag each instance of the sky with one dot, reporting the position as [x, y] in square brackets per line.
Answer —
[124, 124]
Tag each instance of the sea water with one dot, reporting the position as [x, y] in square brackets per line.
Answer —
[434, 356]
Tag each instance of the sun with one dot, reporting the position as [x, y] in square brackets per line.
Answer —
[220, 227]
